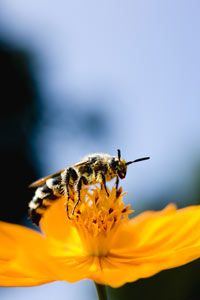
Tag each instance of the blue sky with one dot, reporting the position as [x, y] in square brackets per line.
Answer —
[142, 58]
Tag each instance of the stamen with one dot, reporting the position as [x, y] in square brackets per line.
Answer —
[98, 213]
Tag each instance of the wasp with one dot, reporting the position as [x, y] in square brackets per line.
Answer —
[93, 169]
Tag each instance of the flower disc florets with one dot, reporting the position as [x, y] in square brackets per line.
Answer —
[98, 212]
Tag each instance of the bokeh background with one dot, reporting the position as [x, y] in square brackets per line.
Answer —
[93, 76]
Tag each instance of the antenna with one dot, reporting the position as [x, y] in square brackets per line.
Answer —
[137, 160]
[119, 154]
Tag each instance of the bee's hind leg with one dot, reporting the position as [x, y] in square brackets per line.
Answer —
[70, 175]
[67, 209]
[82, 180]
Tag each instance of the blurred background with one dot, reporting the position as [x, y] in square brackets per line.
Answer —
[89, 76]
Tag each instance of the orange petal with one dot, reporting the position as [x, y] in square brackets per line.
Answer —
[66, 251]
[63, 236]
[72, 269]
[54, 222]
[149, 243]
[22, 256]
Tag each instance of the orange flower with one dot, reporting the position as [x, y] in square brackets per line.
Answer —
[100, 243]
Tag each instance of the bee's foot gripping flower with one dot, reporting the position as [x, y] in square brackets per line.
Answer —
[99, 242]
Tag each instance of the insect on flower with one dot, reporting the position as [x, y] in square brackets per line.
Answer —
[92, 169]
[102, 243]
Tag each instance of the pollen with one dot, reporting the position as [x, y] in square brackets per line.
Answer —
[98, 212]
[97, 218]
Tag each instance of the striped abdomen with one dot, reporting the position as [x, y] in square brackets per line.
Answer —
[44, 197]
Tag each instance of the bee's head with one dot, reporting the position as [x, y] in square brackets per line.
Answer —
[119, 165]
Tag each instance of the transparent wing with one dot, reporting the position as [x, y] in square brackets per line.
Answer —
[81, 163]
[42, 181]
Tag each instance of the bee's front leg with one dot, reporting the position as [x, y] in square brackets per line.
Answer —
[82, 180]
[117, 183]
[118, 190]
[104, 183]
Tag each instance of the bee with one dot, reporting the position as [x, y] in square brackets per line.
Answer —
[92, 169]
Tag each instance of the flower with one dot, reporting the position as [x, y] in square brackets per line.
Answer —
[100, 242]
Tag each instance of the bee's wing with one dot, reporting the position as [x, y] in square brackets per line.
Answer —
[42, 181]
[81, 163]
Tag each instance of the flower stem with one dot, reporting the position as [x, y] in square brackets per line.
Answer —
[101, 291]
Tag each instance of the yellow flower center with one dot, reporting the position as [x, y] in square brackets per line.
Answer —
[98, 216]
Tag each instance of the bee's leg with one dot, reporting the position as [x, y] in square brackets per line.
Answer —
[67, 209]
[104, 183]
[117, 183]
[118, 190]
[70, 176]
[82, 180]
